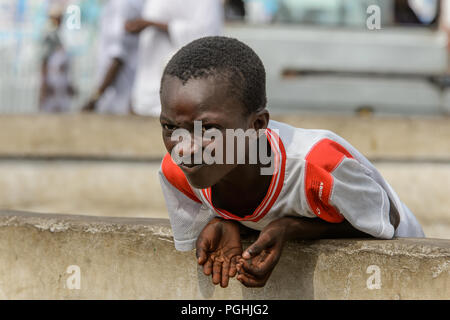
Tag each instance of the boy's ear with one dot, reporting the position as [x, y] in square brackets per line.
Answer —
[260, 119]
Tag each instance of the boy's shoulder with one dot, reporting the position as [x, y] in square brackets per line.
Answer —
[175, 176]
[299, 142]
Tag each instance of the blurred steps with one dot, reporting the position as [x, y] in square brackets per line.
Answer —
[393, 70]
[139, 138]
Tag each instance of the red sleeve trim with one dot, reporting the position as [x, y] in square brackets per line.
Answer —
[177, 178]
[322, 159]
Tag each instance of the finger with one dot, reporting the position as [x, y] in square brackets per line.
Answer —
[217, 270]
[240, 262]
[259, 245]
[201, 255]
[202, 247]
[225, 274]
[251, 282]
[261, 266]
[233, 266]
[208, 267]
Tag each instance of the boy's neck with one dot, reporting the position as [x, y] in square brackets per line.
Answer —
[242, 190]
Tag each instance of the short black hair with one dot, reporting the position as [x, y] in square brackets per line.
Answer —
[227, 57]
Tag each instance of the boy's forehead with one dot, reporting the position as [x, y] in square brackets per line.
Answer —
[203, 86]
[198, 96]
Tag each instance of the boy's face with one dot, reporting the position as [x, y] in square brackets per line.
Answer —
[208, 100]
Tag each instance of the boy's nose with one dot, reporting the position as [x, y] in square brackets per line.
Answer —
[187, 148]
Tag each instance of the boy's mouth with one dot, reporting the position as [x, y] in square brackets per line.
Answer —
[190, 167]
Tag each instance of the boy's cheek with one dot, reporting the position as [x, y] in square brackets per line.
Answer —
[170, 145]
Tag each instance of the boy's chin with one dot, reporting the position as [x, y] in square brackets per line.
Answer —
[208, 175]
[200, 182]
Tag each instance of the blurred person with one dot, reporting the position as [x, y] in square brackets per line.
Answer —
[260, 11]
[117, 58]
[164, 28]
[56, 89]
[444, 23]
[427, 11]
[419, 12]
[234, 10]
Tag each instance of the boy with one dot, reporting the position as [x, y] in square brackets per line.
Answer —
[319, 186]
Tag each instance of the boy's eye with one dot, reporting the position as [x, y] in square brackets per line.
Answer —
[207, 127]
[169, 127]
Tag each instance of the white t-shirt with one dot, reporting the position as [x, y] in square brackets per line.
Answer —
[187, 20]
[317, 175]
[115, 42]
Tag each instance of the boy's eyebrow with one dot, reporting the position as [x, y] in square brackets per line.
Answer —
[163, 118]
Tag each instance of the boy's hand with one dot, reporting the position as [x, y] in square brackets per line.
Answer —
[259, 260]
[218, 249]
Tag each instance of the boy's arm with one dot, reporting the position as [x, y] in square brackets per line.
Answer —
[266, 250]
[259, 260]
[345, 197]
[311, 229]
[337, 188]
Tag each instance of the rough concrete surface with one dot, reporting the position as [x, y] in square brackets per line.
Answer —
[135, 259]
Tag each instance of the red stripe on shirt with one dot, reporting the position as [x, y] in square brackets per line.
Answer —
[176, 177]
[281, 168]
[322, 159]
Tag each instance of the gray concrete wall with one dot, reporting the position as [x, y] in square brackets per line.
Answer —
[117, 258]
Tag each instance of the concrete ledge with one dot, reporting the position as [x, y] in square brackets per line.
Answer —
[122, 258]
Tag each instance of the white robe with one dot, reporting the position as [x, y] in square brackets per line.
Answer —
[187, 20]
[115, 42]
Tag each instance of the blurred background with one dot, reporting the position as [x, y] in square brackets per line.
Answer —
[374, 71]
[309, 48]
